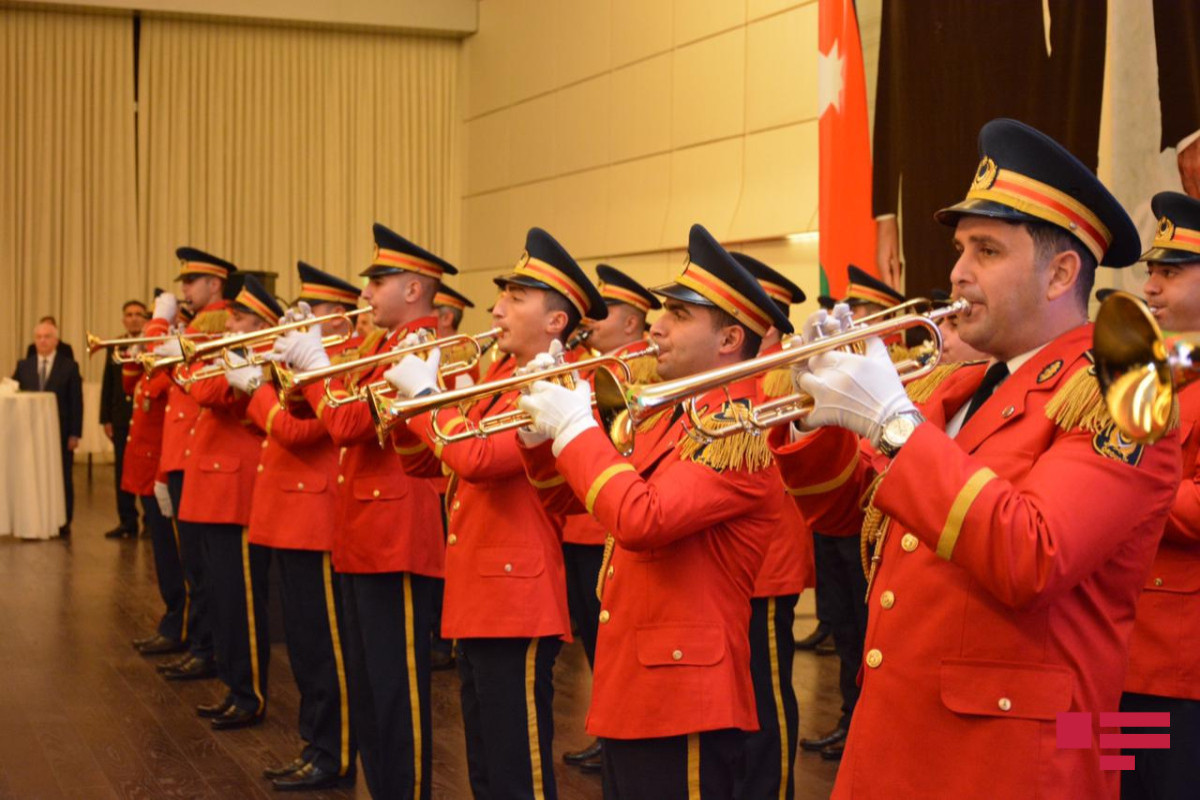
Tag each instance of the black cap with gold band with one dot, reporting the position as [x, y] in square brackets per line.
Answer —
[777, 287]
[253, 298]
[195, 263]
[448, 297]
[864, 288]
[617, 287]
[394, 254]
[1025, 176]
[318, 286]
[1177, 237]
[712, 277]
[547, 265]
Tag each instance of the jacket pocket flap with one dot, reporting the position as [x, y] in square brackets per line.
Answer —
[1178, 577]
[1002, 689]
[209, 463]
[379, 488]
[512, 561]
[309, 484]
[680, 645]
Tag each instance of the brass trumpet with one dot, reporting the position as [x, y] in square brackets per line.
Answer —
[388, 415]
[208, 349]
[1139, 369]
[288, 381]
[641, 403]
[118, 346]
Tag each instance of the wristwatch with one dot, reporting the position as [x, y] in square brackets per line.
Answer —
[897, 429]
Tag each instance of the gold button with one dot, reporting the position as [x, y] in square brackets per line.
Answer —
[874, 658]
[192, 432]
[452, 540]
[180, 415]
[604, 616]
[610, 572]
[168, 406]
[1005, 704]
[1008, 412]
[341, 478]
[299, 485]
[508, 567]
[264, 444]
[1158, 581]
[260, 467]
[216, 465]
[909, 542]
[187, 452]
[887, 599]
[375, 493]
[677, 655]
[454, 506]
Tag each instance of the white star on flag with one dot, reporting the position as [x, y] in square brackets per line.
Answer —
[831, 79]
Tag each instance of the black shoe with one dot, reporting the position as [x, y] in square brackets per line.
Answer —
[284, 769]
[161, 645]
[120, 532]
[141, 641]
[592, 765]
[174, 663]
[834, 751]
[440, 660]
[833, 737]
[311, 776]
[826, 648]
[589, 753]
[235, 717]
[215, 709]
[193, 670]
[819, 634]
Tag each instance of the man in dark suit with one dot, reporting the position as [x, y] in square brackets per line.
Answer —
[116, 410]
[53, 370]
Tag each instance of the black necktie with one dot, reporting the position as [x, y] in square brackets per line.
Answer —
[994, 376]
[42, 377]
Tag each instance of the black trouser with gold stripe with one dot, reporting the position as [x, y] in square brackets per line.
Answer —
[168, 571]
[386, 644]
[312, 613]
[189, 538]
[839, 570]
[507, 705]
[237, 582]
[770, 752]
[698, 766]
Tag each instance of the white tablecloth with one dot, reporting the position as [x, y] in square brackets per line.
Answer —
[31, 486]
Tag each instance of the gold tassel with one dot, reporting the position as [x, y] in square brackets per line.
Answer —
[748, 451]
[920, 390]
[643, 370]
[209, 321]
[369, 342]
[1079, 404]
[874, 528]
[778, 383]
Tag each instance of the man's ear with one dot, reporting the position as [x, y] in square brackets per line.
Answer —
[1062, 274]
[731, 340]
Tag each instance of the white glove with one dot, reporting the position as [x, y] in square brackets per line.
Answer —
[531, 438]
[245, 379]
[415, 375]
[169, 347]
[296, 313]
[855, 392]
[302, 349]
[163, 497]
[542, 361]
[819, 325]
[166, 306]
[558, 412]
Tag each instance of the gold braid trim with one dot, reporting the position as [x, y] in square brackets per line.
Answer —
[777, 383]
[366, 348]
[643, 369]
[609, 544]
[746, 451]
[920, 390]
[209, 321]
[1078, 403]
[875, 525]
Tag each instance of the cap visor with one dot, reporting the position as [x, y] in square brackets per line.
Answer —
[677, 291]
[1167, 255]
[973, 207]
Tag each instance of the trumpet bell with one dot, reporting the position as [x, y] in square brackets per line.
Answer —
[615, 408]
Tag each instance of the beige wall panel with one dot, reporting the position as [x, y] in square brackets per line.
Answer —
[695, 19]
[532, 139]
[640, 28]
[757, 9]
[582, 36]
[639, 193]
[530, 48]
[649, 269]
[797, 259]
[487, 141]
[582, 118]
[479, 287]
[781, 69]
[488, 62]
[780, 192]
[708, 89]
[582, 203]
[532, 205]
[641, 109]
[486, 229]
[705, 184]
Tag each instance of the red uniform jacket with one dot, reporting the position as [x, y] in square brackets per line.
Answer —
[1007, 584]
[221, 458]
[673, 649]
[504, 564]
[181, 410]
[1164, 658]
[144, 443]
[387, 521]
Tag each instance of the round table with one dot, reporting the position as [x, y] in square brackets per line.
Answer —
[32, 505]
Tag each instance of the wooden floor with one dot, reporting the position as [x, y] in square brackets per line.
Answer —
[82, 715]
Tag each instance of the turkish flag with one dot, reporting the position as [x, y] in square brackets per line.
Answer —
[847, 227]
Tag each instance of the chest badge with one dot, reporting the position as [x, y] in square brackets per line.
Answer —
[1049, 371]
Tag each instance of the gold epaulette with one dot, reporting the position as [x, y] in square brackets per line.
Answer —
[369, 342]
[1079, 403]
[643, 369]
[744, 450]
[777, 383]
[457, 353]
[922, 388]
[898, 353]
[365, 348]
[209, 321]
